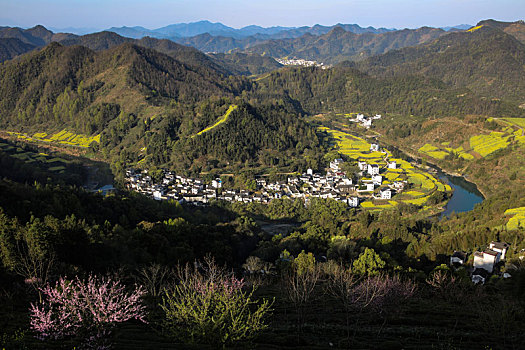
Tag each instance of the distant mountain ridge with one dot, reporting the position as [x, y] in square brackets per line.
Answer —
[185, 30]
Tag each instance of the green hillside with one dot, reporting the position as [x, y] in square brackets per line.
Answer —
[487, 61]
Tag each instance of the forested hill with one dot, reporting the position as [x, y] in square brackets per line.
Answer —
[516, 29]
[39, 36]
[79, 87]
[344, 88]
[12, 47]
[106, 40]
[484, 59]
[339, 45]
[148, 104]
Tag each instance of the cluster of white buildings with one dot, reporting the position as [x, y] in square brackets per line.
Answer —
[300, 62]
[484, 262]
[172, 186]
[365, 121]
[334, 184]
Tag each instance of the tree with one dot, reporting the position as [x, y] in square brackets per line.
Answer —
[304, 263]
[86, 310]
[212, 307]
[300, 283]
[368, 263]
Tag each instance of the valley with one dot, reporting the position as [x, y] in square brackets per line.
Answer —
[309, 187]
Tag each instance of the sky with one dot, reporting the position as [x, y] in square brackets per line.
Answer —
[103, 14]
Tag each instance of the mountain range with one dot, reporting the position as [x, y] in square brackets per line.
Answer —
[150, 98]
[182, 30]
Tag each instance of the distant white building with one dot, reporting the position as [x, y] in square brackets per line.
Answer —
[386, 193]
[373, 169]
[374, 147]
[157, 194]
[335, 164]
[362, 165]
[377, 116]
[370, 186]
[392, 165]
[367, 123]
[486, 259]
[353, 202]
[216, 183]
[360, 117]
[377, 180]
[309, 172]
[499, 247]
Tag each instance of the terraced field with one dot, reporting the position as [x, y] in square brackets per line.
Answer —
[52, 163]
[517, 218]
[424, 184]
[433, 151]
[487, 144]
[63, 137]
[441, 153]
[517, 121]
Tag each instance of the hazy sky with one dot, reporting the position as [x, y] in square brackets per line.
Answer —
[237, 13]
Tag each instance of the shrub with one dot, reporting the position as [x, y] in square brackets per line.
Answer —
[212, 307]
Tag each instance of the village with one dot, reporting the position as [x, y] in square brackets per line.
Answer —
[301, 62]
[335, 184]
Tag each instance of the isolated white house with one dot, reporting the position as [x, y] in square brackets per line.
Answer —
[360, 117]
[377, 116]
[392, 165]
[486, 259]
[374, 147]
[309, 172]
[499, 247]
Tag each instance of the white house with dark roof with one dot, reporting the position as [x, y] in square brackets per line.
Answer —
[499, 247]
[486, 259]
[335, 164]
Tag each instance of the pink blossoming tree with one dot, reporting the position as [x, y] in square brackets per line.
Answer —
[87, 309]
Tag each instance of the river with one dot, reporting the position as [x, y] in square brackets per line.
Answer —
[465, 196]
